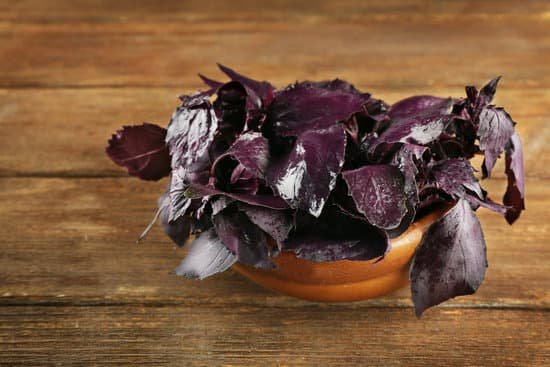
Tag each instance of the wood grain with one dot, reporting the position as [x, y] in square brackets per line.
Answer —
[392, 52]
[247, 10]
[63, 132]
[270, 336]
[73, 241]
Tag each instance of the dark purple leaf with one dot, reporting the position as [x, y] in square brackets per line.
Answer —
[451, 260]
[220, 203]
[453, 177]
[276, 223]
[142, 150]
[487, 203]
[179, 203]
[207, 256]
[406, 159]
[178, 230]
[306, 176]
[412, 106]
[378, 192]
[476, 102]
[231, 108]
[195, 191]
[243, 164]
[496, 128]
[515, 191]
[191, 133]
[488, 91]
[422, 127]
[335, 236]
[243, 238]
[260, 93]
[311, 106]
[210, 82]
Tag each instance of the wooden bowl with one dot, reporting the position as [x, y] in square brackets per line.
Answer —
[343, 281]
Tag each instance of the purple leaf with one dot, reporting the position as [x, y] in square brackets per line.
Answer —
[453, 177]
[207, 256]
[191, 133]
[260, 93]
[378, 192]
[417, 104]
[195, 191]
[243, 238]
[405, 159]
[243, 164]
[496, 128]
[312, 106]
[220, 203]
[421, 127]
[515, 191]
[276, 223]
[178, 230]
[451, 260]
[210, 82]
[488, 91]
[306, 176]
[487, 203]
[231, 108]
[179, 203]
[142, 150]
[476, 102]
[335, 236]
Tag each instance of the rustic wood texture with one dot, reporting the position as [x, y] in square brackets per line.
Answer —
[75, 288]
[312, 335]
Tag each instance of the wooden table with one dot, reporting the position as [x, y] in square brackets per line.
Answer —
[75, 288]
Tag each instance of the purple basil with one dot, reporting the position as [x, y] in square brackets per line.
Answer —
[306, 107]
[191, 133]
[207, 256]
[243, 238]
[453, 177]
[259, 93]
[378, 192]
[141, 149]
[495, 130]
[515, 192]
[329, 173]
[451, 260]
[307, 174]
[423, 125]
[335, 236]
[243, 165]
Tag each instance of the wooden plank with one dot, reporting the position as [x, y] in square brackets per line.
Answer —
[382, 51]
[312, 335]
[63, 132]
[124, 10]
[73, 241]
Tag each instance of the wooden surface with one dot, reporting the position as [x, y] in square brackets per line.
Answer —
[75, 288]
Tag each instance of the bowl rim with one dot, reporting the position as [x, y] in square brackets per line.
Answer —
[344, 280]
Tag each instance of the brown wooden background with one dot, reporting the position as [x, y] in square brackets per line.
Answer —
[76, 289]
